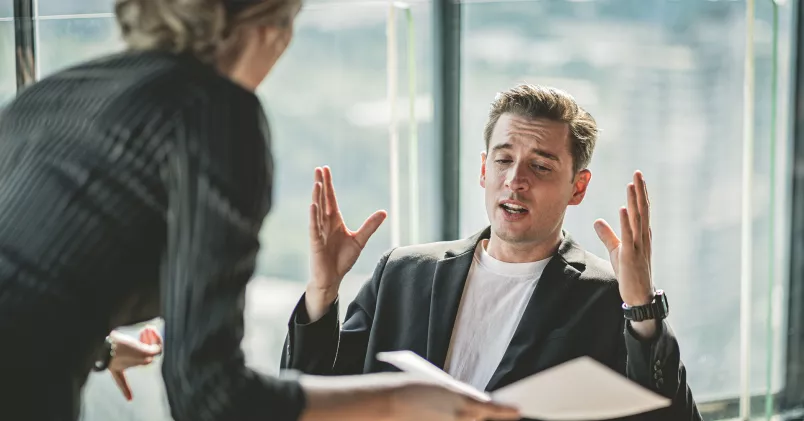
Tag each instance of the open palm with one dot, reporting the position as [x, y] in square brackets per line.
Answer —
[631, 256]
[334, 248]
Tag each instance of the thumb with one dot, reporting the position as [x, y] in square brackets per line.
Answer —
[369, 227]
[122, 384]
[606, 235]
[148, 349]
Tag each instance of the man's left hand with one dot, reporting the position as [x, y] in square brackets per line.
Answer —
[631, 255]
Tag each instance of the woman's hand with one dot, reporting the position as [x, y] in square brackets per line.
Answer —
[132, 353]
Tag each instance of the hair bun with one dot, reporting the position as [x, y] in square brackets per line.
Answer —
[195, 26]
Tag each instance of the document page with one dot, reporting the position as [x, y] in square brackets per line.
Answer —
[578, 390]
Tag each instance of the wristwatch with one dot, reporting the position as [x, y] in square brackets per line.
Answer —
[109, 348]
[657, 309]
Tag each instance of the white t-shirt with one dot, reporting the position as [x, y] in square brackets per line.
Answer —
[494, 298]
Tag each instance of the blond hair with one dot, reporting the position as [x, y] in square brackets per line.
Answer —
[207, 29]
[534, 101]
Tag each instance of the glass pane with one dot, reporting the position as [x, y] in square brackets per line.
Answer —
[327, 105]
[73, 7]
[65, 42]
[8, 63]
[6, 8]
[664, 81]
[8, 74]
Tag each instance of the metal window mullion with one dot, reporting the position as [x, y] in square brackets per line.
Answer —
[24, 42]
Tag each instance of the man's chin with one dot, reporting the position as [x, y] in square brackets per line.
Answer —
[514, 235]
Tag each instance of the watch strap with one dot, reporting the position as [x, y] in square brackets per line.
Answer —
[657, 309]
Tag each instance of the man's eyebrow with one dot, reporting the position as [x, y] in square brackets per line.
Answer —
[537, 151]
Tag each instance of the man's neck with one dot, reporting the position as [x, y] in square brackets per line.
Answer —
[523, 252]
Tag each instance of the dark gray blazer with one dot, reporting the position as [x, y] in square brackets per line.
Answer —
[412, 301]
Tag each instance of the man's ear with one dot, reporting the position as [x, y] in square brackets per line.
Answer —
[483, 169]
[580, 183]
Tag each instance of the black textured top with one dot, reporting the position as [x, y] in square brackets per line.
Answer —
[131, 187]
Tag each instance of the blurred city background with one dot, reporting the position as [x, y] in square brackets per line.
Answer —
[663, 78]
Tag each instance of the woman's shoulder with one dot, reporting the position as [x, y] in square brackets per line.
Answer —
[159, 78]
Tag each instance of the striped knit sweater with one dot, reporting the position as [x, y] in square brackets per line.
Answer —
[131, 187]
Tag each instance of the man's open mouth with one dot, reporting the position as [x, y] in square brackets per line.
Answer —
[512, 208]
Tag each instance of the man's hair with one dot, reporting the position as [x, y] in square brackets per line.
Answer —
[534, 101]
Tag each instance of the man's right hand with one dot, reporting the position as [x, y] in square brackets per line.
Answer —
[334, 248]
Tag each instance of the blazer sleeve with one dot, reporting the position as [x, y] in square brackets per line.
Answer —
[656, 365]
[325, 347]
[218, 179]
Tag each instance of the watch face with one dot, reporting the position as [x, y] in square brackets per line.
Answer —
[665, 306]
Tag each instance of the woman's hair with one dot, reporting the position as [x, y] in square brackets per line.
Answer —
[207, 29]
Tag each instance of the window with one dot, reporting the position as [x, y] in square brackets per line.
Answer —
[664, 81]
[8, 75]
[70, 32]
[327, 104]
[66, 41]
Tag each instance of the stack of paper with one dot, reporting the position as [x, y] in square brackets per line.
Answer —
[581, 389]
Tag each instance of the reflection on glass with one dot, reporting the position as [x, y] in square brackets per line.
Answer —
[6, 9]
[73, 7]
[327, 104]
[65, 42]
[8, 75]
[664, 82]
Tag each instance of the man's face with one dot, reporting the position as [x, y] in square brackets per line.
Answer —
[529, 178]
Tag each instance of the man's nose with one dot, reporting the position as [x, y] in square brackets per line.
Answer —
[516, 180]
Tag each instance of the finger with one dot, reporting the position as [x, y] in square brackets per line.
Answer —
[157, 337]
[315, 227]
[635, 219]
[329, 189]
[148, 350]
[369, 227]
[644, 209]
[319, 219]
[318, 180]
[625, 228]
[149, 335]
[122, 384]
[606, 235]
[321, 206]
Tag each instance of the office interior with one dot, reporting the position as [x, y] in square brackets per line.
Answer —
[704, 96]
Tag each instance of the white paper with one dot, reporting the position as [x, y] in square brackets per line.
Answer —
[578, 390]
[364, 381]
[410, 362]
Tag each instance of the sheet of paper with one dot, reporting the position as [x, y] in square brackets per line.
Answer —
[364, 381]
[581, 389]
[410, 362]
[578, 390]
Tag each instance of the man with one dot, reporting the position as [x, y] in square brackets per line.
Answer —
[513, 300]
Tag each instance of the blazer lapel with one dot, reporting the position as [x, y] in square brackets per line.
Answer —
[542, 312]
[449, 280]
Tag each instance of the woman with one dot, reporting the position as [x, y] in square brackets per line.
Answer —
[134, 186]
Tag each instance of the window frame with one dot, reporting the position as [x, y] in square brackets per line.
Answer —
[447, 88]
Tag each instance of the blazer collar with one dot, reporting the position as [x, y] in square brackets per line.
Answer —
[568, 251]
[449, 282]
